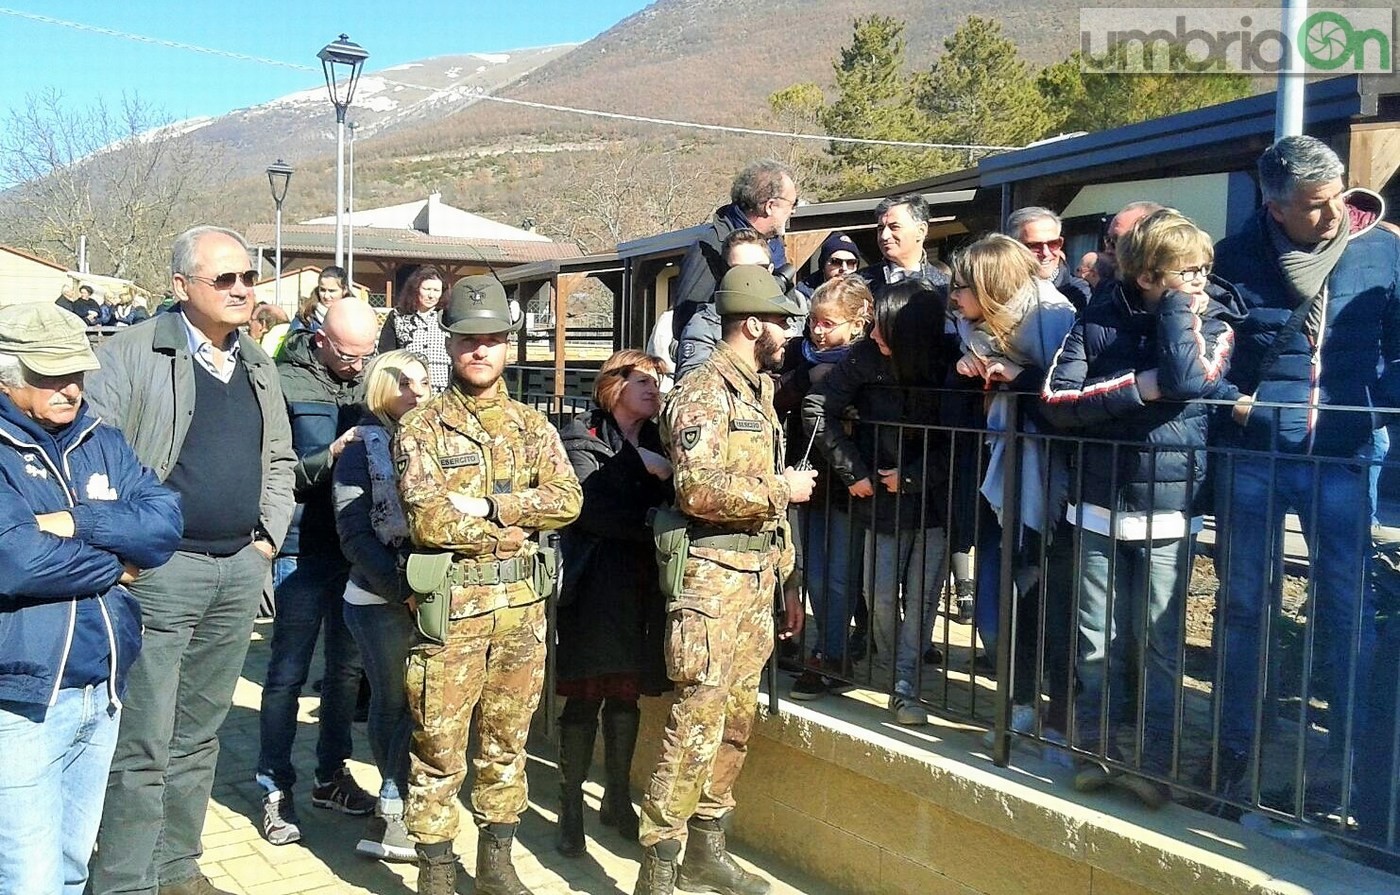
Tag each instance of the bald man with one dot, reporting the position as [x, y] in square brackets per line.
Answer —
[321, 375]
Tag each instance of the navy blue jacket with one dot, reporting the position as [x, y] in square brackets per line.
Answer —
[1093, 385]
[1361, 336]
[121, 513]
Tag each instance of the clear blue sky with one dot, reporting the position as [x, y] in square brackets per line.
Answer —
[85, 65]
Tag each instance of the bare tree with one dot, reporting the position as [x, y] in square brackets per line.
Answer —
[125, 178]
[627, 191]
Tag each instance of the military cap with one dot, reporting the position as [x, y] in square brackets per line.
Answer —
[47, 339]
[750, 289]
[478, 306]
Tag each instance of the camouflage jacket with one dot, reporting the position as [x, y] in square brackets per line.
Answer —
[489, 446]
[726, 446]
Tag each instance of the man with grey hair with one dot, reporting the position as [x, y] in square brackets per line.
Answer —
[1320, 286]
[901, 228]
[81, 518]
[1039, 229]
[201, 405]
[762, 197]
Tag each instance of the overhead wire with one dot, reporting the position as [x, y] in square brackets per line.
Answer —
[481, 94]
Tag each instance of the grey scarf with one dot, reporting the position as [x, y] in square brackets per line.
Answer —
[1305, 272]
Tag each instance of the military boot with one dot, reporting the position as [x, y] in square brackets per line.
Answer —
[495, 875]
[658, 873]
[619, 743]
[437, 869]
[708, 866]
[575, 755]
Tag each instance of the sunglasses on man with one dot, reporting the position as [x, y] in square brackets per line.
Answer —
[226, 280]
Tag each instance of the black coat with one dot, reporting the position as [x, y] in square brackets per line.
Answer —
[865, 381]
[611, 612]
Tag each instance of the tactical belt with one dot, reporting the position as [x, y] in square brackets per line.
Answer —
[740, 541]
[471, 573]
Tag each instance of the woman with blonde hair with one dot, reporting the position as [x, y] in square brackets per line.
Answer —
[1010, 323]
[611, 612]
[373, 532]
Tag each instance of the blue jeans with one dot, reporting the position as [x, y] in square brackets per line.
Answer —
[1145, 596]
[1331, 502]
[52, 782]
[904, 576]
[1375, 453]
[385, 634]
[198, 616]
[827, 548]
[309, 593]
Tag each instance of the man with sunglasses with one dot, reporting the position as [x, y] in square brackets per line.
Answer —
[322, 380]
[1038, 229]
[201, 405]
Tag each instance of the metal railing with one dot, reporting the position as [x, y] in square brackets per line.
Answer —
[1264, 684]
[1245, 669]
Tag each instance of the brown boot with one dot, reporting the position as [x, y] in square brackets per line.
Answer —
[495, 874]
[658, 873]
[708, 866]
[437, 869]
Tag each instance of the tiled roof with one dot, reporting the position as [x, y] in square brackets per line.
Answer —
[374, 242]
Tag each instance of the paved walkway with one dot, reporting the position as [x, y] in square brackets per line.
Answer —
[237, 859]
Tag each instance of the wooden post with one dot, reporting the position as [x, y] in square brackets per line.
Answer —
[564, 286]
[801, 247]
[1374, 154]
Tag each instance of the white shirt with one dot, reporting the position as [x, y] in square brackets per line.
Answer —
[202, 350]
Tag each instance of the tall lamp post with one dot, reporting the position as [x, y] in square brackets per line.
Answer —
[350, 213]
[341, 62]
[279, 176]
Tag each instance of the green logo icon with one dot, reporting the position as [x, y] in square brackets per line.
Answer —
[1327, 41]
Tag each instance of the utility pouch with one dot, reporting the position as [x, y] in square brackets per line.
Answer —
[546, 571]
[428, 579]
[670, 531]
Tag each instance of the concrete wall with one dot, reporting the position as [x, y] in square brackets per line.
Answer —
[873, 809]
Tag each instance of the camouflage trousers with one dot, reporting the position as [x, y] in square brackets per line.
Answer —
[495, 662]
[718, 637]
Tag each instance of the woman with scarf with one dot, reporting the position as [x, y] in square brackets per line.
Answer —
[840, 308]
[373, 532]
[611, 613]
[1010, 324]
[413, 323]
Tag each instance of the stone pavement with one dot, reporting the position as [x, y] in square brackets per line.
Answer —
[237, 858]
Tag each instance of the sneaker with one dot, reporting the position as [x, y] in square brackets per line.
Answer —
[1092, 777]
[1231, 782]
[964, 591]
[280, 825]
[341, 793]
[809, 685]
[1056, 748]
[933, 656]
[1151, 793]
[387, 839]
[1022, 721]
[907, 710]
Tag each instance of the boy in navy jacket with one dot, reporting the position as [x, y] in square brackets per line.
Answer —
[1129, 372]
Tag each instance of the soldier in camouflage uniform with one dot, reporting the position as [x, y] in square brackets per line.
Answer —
[727, 449]
[479, 473]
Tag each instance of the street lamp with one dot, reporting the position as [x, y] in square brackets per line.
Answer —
[350, 213]
[341, 62]
[279, 175]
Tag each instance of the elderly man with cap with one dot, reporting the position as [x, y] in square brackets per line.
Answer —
[79, 519]
[479, 474]
[726, 447]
